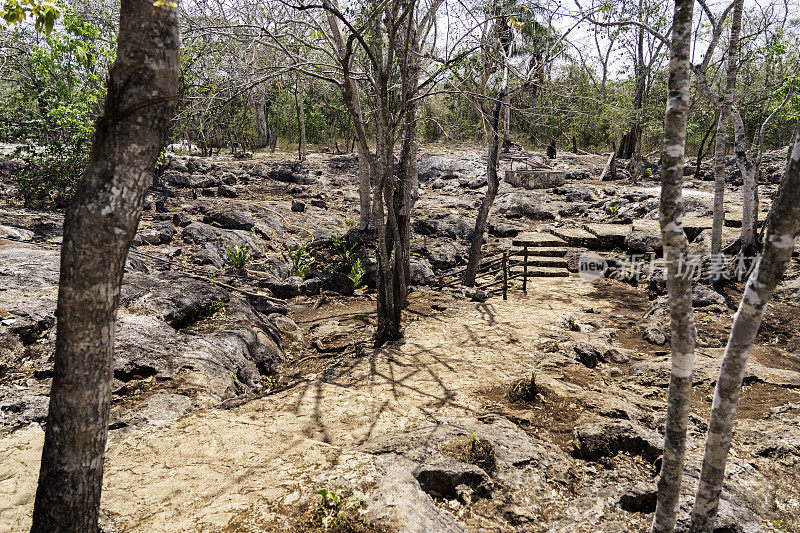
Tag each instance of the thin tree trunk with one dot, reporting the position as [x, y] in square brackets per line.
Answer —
[364, 190]
[702, 144]
[299, 96]
[351, 98]
[749, 187]
[627, 146]
[506, 106]
[98, 229]
[408, 173]
[493, 182]
[679, 287]
[720, 172]
[388, 237]
[783, 227]
[262, 137]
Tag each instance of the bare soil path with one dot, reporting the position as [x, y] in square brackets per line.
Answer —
[211, 468]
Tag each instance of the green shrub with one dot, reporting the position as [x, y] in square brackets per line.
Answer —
[334, 512]
[49, 177]
[49, 99]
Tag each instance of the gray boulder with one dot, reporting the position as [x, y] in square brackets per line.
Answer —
[421, 272]
[227, 191]
[158, 235]
[220, 239]
[641, 242]
[522, 204]
[703, 296]
[230, 219]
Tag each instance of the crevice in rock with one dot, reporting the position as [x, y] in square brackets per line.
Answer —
[136, 372]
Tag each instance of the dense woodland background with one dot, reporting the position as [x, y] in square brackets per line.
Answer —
[257, 73]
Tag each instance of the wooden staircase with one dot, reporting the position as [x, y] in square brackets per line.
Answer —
[542, 255]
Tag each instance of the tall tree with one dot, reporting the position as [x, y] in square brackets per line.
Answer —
[353, 102]
[679, 287]
[783, 228]
[299, 101]
[98, 229]
[526, 73]
[389, 37]
[720, 171]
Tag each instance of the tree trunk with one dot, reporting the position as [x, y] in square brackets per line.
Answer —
[749, 187]
[364, 191]
[629, 141]
[262, 137]
[299, 96]
[506, 107]
[353, 102]
[700, 150]
[627, 145]
[493, 182]
[534, 95]
[679, 287]
[720, 172]
[783, 227]
[384, 189]
[408, 172]
[98, 229]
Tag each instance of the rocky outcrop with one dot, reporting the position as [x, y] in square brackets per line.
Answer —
[225, 359]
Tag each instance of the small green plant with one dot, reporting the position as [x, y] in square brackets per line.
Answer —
[474, 443]
[271, 382]
[333, 511]
[614, 209]
[161, 164]
[344, 251]
[238, 256]
[349, 223]
[300, 258]
[647, 172]
[357, 274]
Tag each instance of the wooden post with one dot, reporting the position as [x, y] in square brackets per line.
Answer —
[505, 275]
[525, 269]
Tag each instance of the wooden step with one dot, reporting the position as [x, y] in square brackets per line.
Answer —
[541, 251]
[538, 261]
[537, 238]
[543, 272]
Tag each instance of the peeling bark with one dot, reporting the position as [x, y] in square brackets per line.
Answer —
[98, 229]
[783, 227]
[679, 287]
